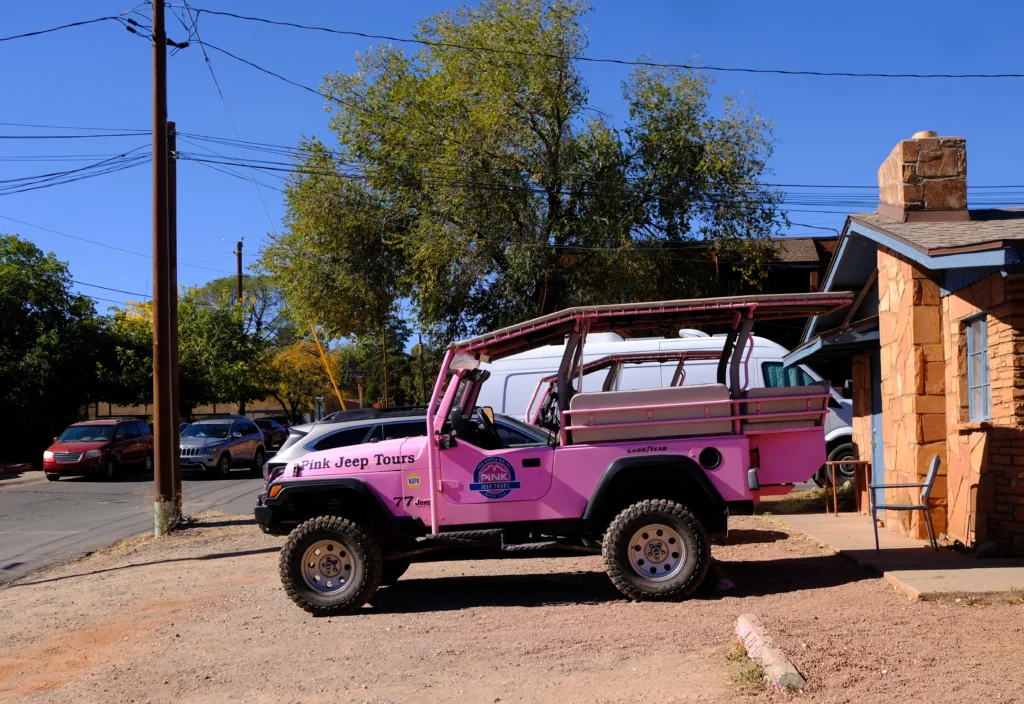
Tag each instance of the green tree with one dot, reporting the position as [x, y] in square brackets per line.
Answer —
[483, 185]
[218, 359]
[49, 343]
[265, 313]
[337, 264]
[363, 354]
[299, 377]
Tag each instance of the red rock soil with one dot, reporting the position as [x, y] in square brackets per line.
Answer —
[201, 617]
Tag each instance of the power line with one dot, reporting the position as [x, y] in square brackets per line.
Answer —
[70, 136]
[74, 237]
[590, 59]
[103, 244]
[63, 127]
[81, 23]
[107, 288]
[224, 102]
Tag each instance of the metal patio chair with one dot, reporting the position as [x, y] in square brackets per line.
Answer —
[926, 490]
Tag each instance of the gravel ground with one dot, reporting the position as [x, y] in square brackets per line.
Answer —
[201, 617]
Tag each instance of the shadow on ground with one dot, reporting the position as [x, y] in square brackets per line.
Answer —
[198, 558]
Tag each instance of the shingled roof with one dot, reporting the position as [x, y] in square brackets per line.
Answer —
[797, 250]
[987, 229]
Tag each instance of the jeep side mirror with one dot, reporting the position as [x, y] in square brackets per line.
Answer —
[236, 434]
[489, 412]
[55, 438]
[119, 438]
[447, 442]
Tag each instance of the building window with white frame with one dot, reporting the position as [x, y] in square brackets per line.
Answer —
[979, 390]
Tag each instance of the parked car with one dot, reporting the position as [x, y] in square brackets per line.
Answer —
[100, 448]
[273, 434]
[376, 425]
[218, 445]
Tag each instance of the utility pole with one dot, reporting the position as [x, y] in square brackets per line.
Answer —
[163, 333]
[172, 236]
[238, 259]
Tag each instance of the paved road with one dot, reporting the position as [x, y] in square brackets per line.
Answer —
[42, 523]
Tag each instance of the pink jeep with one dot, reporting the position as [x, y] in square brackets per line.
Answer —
[643, 477]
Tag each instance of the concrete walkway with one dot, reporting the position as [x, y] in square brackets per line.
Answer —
[911, 565]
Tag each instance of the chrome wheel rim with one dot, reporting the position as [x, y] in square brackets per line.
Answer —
[657, 552]
[328, 566]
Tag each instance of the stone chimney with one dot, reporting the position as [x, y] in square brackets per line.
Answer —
[925, 180]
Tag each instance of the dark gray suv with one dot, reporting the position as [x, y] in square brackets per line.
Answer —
[217, 445]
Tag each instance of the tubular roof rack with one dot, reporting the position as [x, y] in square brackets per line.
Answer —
[644, 318]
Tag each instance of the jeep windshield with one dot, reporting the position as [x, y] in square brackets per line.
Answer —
[207, 430]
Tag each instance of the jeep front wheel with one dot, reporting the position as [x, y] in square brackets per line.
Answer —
[331, 566]
[656, 550]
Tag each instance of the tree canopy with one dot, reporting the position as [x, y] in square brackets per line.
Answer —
[485, 187]
[49, 341]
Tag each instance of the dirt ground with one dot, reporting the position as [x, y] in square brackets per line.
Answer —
[201, 617]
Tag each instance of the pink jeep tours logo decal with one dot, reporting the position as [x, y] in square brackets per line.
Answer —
[494, 478]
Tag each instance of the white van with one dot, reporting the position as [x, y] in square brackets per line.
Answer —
[513, 379]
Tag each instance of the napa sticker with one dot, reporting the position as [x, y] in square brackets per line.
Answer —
[413, 481]
[494, 478]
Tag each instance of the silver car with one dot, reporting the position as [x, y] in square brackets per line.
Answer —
[217, 445]
[374, 425]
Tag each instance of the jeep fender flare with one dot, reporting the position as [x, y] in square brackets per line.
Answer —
[707, 503]
[369, 501]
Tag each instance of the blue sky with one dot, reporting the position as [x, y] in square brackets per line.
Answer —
[829, 130]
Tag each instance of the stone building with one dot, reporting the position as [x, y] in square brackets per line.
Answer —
[936, 343]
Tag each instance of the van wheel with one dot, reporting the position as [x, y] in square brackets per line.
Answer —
[110, 472]
[656, 550]
[844, 472]
[331, 566]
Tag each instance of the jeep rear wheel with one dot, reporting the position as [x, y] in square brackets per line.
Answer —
[331, 566]
[656, 550]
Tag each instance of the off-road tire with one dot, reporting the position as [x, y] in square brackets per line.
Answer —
[393, 570]
[615, 551]
[358, 540]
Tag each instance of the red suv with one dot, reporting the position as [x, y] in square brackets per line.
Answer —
[100, 448]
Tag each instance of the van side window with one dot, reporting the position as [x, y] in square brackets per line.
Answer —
[776, 375]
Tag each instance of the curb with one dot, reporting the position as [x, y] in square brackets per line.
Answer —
[778, 670]
[15, 468]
